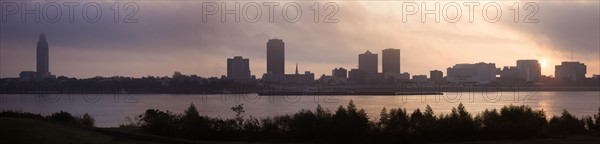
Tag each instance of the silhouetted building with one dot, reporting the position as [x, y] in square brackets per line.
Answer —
[436, 76]
[530, 70]
[404, 76]
[570, 71]
[238, 69]
[390, 61]
[332, 80]
[510, 73]
[419, 78]
[391, 76]
[42, 62]
[42, 58]
[27, 76]
[340, 73]
[356, 76]
[367, 63]
[297, 78]
[479, 73]
[276, 56]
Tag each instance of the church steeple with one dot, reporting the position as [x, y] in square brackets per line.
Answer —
[297, 68]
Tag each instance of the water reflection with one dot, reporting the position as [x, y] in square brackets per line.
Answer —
[111, 110]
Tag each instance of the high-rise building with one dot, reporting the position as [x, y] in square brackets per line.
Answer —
[42, 58]
[390, 61]
[530, 70]
[570, 71]
[480, 73]
[275, 56]
[238, 69]
[340, 73]
[436, 76]
[367, 63]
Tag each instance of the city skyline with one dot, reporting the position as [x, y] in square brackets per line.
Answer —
[109, 49]
[238, 68]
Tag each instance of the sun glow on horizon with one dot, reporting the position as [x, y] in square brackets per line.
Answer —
[543, 63]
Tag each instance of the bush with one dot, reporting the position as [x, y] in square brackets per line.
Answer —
[159, 122]
[19, 114]
[87, 120]
[351, 125]
[513, 122]
[63, 117]
[194, 125]
[565, 124]
[458, 125]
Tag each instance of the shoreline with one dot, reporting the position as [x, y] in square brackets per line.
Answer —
[347, 91]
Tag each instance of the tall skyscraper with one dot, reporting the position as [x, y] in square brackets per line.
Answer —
[275, 56]
[390, 61]
[238, 69]
[570, 71]
[530, 70]
[42, 57]
[367, 63]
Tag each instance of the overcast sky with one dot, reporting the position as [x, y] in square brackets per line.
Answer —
[171, 36]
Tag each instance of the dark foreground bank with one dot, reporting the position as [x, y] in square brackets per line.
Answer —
[510, 124]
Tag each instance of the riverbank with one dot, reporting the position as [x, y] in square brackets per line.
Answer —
[28, 130]
[411, 89]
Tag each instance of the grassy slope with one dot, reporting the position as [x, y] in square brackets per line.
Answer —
[30, 131]
[19, 130]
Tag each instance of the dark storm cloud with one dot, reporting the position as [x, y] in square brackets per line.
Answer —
[567, 26]
[166, 28]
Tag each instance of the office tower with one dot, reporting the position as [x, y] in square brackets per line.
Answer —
[42, 57]
[238, 69]
[436, 76]
[390, 61]
[367, 64]
[275, 56]
[530, 70]
[480, 73]
[340, 73]
[570, 71]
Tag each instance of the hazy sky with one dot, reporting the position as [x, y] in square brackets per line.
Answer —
[171, 36]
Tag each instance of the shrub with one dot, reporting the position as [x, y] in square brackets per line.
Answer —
[159, 122]
[20, 114]
[87, 120]
[63, 117]
[514, 122]
[351, 125]
[458, 125]
[565, 124]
